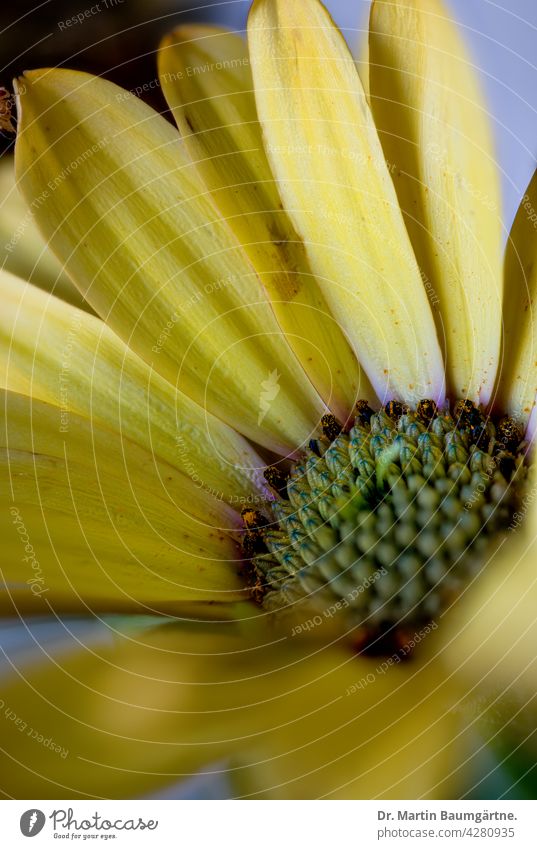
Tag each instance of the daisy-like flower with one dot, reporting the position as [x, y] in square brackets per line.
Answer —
[298, 431]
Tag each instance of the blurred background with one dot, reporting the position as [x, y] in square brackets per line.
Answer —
[114, 38]
[118, 40]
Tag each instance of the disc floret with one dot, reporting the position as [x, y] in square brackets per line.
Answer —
[390, 518]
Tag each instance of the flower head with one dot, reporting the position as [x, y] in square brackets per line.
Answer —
[287, 431]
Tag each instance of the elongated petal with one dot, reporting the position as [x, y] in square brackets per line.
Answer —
[32, 426]
[154, 707]
[24, 252]
[62, 355]
[436, 136]
[326, 156]
[90, 519]
[206, 78]
[518, 377]
[125, 211]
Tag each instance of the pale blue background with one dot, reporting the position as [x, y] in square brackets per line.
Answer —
[503, 40]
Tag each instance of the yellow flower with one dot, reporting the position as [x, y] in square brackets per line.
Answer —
[298, 246]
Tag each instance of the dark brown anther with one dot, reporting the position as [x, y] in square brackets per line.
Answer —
[363, 412]
[506, 464]
[257, 591]
[6, 111]
[467, 414]
[248, 545]
[330, 426]
[252, 541]
[426, 411]
[479, 435]
[252, 544]
[253, 519]
[254, 580]
[277, 480]
[508, 434]
[394, 409]
[383, 641]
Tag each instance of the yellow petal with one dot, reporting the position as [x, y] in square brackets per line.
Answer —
[495, 634]
[206, 78]
[54, 352]
[32, 426]
[518, 377]
[435, 132]
[90, 519]
[155, 706]
[110, 715]
[24, 252]
[125, 211]
[326, 156]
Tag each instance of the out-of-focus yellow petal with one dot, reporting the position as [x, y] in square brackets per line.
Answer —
[494, 634]
[127, 214]
[90, 518]
[360, 728]
[493, 651]
[22, 249]
[295, 721]
[325, 153]
[436, 136]
[518, 376]
[56, 353]
[111, 715]
[206, 78]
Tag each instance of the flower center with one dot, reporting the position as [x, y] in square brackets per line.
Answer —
[386, 523]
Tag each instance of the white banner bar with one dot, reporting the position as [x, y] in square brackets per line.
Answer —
[269, 825]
